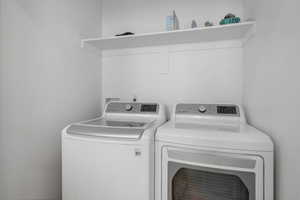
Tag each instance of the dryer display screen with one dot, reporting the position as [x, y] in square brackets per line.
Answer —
[149, 108]
[231, 110]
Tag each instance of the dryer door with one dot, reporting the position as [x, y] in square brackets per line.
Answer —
[202, 175]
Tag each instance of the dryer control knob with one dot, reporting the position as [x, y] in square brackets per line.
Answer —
[202, 109]
[128, 107]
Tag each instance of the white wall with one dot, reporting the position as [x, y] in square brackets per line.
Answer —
[178, 75]
[207, 72]
[47, 81]
[271, 91]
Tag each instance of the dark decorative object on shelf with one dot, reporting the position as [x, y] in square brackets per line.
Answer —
[208, 23]
[229, 15]
[124, 34]
[194, 24]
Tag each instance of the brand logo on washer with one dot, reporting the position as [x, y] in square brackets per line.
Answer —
[137, 152]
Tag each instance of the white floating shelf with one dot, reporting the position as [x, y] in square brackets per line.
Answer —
[239, 31]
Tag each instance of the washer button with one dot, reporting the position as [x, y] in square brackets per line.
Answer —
[202, 109]
[128, 107]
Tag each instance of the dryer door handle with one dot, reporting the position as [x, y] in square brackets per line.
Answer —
[215, 160]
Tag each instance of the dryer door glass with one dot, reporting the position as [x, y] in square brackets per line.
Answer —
[204, 184]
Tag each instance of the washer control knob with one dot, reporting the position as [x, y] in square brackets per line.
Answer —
[128, 107]
[202, 109]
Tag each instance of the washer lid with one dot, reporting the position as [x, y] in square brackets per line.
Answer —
[228, 136]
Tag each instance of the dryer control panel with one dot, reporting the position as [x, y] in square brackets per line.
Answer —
[208, 109]
[135, 108]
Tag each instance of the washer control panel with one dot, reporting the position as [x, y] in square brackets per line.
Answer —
[135, 108]
[208, 109]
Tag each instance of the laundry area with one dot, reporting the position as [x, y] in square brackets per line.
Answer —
[151, 100]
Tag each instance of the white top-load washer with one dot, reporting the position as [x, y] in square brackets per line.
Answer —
[209, 152]
[112, 157]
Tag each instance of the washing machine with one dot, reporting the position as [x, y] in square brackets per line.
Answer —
[112, 157]
[209, 152]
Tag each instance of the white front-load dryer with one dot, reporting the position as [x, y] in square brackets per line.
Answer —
[112, 157]
[209, 152]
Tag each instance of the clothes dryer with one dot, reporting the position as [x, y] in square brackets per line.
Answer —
[209, 152]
